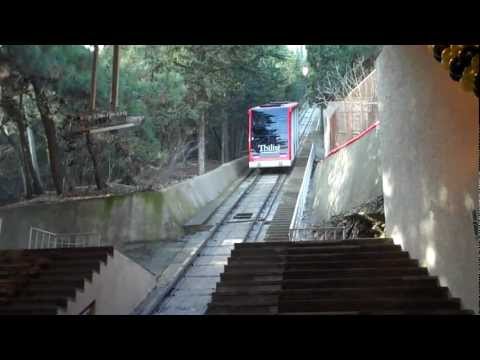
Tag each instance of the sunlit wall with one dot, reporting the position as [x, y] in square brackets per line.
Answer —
[429, 142]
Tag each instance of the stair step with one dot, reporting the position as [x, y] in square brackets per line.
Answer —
[365, 292]
[367, 305]
[321, 257]
[58, 301]
[386, 312]
[248, 289]
[48, 289]
[68, 254]
[317, 243]
[84, 271]
[59, 281]
[54, 276]
[241, 310]
[317, 249]
[246, 300]
[345, 298]
[47, 312]
[331, 282]
[64, 263]
[28, 308]
[240, 265]
[323, 273]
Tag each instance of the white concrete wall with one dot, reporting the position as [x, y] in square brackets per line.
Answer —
[348, 178]
[142, 216]
[429, 145]
[120, 285]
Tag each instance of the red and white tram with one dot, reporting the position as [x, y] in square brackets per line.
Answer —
[273, 134]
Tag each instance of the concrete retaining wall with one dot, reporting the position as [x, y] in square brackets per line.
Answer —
[430, 157]
[348, 178]
[137, 217]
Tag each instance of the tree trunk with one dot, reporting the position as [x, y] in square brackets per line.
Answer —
[18, 155]
[225, 141]
[14, 111]
[50, 132]
[29, 152]
[33, 152]
[240, 136]
[99, 181]
[27, 170]
[93, 154]
[93, 84]
[115, 77]
[201, 145]
[218, 141]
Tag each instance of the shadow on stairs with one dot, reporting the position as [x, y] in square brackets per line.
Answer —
[362, 276]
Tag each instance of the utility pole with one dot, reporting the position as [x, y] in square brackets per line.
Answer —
[93, 88]
[115, 77]
[88, 138]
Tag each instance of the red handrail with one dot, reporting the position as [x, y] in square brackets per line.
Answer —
[353, 139]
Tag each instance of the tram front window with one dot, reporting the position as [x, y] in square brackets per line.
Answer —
[270, 132]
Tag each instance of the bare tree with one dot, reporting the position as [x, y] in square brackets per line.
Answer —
[339, 83]
[14, 109]
[46, 115]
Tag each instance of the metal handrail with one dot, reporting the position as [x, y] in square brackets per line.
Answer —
[296, 231]
[43, 239]
[308, 125]
[317, 233]
[302, 196]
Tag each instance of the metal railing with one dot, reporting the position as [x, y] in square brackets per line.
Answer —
[301, 198]
[317, 233]
[42, 239]
[298, 231]
[306, 125]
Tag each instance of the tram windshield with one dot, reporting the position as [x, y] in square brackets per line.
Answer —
[270, 132]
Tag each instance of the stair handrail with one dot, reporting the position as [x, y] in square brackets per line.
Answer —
[43, 239]
[302, 196]
[316, 233]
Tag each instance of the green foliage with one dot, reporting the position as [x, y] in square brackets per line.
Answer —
[170, 85]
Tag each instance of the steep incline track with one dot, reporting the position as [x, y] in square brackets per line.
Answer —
[192, 293]
[239, 222]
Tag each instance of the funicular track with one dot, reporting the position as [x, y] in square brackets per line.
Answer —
[238, 221]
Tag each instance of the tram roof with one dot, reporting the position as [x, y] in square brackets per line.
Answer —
[276, 104]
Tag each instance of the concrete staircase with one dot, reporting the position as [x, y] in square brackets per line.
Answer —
[40, 282]
[364, 276]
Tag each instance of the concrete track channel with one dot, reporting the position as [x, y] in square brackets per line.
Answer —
[243, 217]
[241, 222]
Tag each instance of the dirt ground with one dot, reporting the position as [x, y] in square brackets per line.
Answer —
[190, 170]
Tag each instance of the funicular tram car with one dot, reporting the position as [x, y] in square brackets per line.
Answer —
[273, 134]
